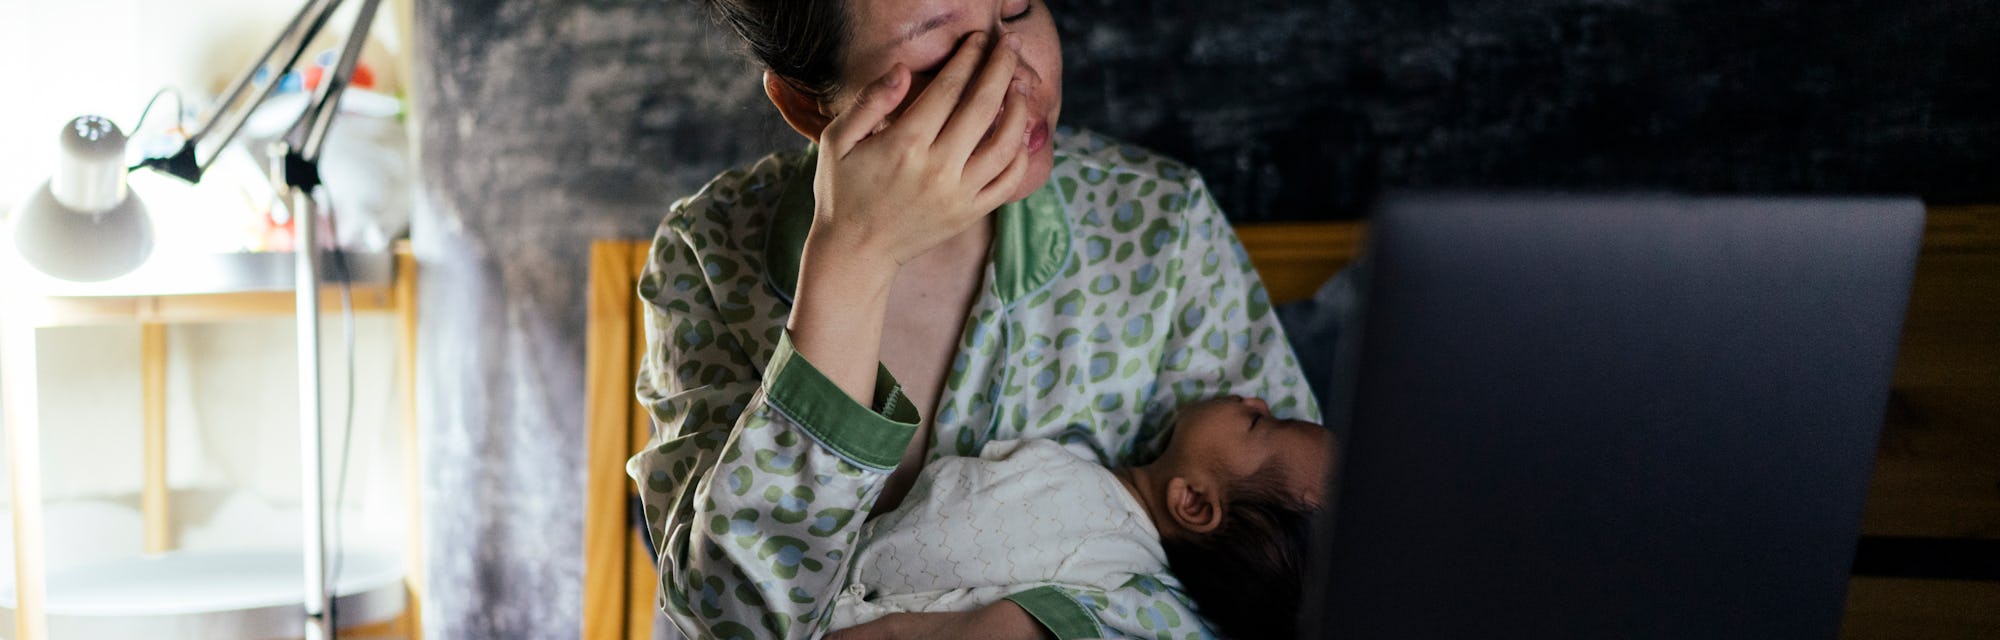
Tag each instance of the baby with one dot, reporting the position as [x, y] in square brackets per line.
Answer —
[1226, 507]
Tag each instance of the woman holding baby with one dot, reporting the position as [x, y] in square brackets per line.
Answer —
[944, 268]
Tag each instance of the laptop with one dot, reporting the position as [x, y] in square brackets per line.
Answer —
[1610, 416]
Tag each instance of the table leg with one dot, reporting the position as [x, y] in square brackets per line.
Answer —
[413, 550]
[153, 496]
[23, 419]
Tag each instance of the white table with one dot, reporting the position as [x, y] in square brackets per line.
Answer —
[213, 593]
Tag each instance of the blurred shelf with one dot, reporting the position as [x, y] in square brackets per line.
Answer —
[210, 287]
[203, 594]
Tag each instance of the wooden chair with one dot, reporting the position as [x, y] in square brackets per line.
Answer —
[619, 580]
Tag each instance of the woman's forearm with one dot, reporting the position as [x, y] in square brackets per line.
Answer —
[1005, 619]
[729, 435]
[839, 310]
[886, 189]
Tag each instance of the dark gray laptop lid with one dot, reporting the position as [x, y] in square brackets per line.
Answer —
[1612, 416]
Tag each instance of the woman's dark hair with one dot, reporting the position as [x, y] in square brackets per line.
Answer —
[800, 40]
[1248, 574]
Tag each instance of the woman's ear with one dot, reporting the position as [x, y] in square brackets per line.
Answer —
[800, 111]
[1195, 508]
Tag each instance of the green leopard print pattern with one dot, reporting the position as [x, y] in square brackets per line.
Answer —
[1114, 295]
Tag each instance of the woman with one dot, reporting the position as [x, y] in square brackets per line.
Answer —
[944, 267]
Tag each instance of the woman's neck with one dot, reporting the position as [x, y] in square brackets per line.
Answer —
[971, 245]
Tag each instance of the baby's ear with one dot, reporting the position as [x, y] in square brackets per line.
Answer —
[1196, 508]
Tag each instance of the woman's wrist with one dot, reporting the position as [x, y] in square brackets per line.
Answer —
[838, 311]
[1006, 619]
[833, 254]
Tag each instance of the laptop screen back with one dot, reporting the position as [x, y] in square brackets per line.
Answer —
[1612, 417]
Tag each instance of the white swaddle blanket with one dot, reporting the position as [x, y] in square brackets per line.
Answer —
[972, 531]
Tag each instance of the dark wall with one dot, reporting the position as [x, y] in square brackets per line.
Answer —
[545, 125]
[1304, 109]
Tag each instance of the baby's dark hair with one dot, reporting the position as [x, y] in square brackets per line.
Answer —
[1247, 576]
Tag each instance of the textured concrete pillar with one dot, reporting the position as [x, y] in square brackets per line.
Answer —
[543, 126]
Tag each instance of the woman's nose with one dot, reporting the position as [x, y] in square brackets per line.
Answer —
[1023, 72]
[1026, 74]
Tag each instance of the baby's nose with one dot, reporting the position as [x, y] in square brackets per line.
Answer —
[1258, 404]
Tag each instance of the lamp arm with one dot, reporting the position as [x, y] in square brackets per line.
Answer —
[308, 134]
[188, 163]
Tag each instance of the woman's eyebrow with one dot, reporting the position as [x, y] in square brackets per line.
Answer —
[932, 24]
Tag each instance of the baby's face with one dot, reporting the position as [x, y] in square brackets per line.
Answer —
[1235, 437]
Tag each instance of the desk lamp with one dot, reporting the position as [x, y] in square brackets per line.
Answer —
[84, 225]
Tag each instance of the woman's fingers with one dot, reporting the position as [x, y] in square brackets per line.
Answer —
[978, 106]
[878, 100]
[1000, 148]
[1001, 189]
[927, 115]
[951, 155]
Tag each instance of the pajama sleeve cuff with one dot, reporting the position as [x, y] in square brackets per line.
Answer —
[1062, 614]
[873, 436]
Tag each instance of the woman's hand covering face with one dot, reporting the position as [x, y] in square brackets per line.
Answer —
[897, 185]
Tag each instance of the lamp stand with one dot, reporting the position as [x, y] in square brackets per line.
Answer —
[319, 622]
[298, 173]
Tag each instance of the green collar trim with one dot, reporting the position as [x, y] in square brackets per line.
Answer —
[789, 225]
[1030, 249]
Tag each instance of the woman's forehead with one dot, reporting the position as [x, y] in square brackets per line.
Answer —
[905, 19]
[882, 26]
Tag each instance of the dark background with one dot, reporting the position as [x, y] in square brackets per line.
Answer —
[547, 124]
[1302, 110]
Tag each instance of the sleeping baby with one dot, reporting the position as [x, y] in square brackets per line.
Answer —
[1226, 507]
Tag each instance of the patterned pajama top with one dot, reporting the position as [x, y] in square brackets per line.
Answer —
[1111, 296]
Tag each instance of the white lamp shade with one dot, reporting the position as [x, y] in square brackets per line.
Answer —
[83, 224]
[83, 247]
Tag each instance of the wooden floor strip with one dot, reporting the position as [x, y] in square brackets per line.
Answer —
[1931, 558]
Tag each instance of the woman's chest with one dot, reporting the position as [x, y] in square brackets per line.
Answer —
[1061, 363]
[921, 334]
